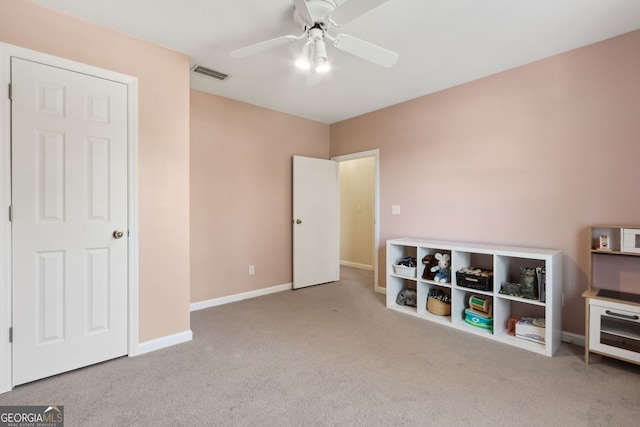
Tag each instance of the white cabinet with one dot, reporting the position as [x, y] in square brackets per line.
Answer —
[505, 262]
[612, 324]
[614, 329]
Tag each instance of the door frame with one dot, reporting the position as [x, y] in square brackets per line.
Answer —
[375, 153]
[8, 51]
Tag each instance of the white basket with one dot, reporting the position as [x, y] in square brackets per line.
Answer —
[403, 270]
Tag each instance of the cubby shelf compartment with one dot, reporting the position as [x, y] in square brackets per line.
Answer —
[505, 262]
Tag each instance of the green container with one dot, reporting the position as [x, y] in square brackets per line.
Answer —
[479, 321]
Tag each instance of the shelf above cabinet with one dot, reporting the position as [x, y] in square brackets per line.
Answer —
[619, 240]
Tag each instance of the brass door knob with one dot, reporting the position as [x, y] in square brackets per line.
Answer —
[298, 221]
[118, 234]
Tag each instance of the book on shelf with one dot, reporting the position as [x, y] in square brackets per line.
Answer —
[541, 273]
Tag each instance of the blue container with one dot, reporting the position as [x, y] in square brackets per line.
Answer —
[475, 319]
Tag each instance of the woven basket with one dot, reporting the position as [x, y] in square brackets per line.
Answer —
[438, 307]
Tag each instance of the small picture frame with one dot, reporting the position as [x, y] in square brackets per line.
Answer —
[603, 244]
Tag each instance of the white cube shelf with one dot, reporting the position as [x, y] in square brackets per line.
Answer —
[505, 262]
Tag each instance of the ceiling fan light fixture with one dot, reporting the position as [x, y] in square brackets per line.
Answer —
[319, 53]
[323, 67]
[303, 61]
[303, 64]
[320, 57]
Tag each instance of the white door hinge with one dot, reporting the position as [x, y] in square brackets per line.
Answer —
[10, 213]
[9, 90]
[11, 335]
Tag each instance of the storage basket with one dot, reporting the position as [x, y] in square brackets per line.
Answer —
[435, 306]
[472, 281]
[403, 270]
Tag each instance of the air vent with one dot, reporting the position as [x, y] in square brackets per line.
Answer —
[210, 73]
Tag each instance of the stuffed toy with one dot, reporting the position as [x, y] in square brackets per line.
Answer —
[443, 272]
[407, 297]
[429, 262]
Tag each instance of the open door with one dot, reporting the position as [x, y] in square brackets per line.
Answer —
[316, 222]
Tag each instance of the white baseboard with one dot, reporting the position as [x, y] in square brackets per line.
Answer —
[239, 297]
[571, 338]
[158, 343]
[356, 265]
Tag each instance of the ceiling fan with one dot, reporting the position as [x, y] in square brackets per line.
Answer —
[317, 17]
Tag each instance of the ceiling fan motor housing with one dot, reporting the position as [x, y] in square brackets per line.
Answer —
[319, 10]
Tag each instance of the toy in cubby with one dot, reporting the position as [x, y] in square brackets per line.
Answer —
[429, 262]
[442, 268]
[480, 312]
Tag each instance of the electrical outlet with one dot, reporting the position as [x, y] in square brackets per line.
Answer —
[252, 270]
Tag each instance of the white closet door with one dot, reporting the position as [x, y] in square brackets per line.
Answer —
[69, 190]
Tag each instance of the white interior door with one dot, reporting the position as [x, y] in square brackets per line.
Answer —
[69, 198]
[316, 222]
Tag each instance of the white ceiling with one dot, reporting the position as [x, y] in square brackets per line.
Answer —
[441, 43]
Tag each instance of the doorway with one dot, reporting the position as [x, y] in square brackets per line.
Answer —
[359, 211]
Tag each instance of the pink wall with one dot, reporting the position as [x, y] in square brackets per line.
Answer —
[163, 151]
[241, 193]
[531, 157]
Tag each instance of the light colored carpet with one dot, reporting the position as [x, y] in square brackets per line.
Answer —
[333, 355]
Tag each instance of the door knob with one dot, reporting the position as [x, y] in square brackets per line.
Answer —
[118, 234]
[298, 221]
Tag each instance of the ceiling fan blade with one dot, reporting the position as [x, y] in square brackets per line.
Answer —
[303, 10]
[365, 50]
[262, 46]
[351, 9]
